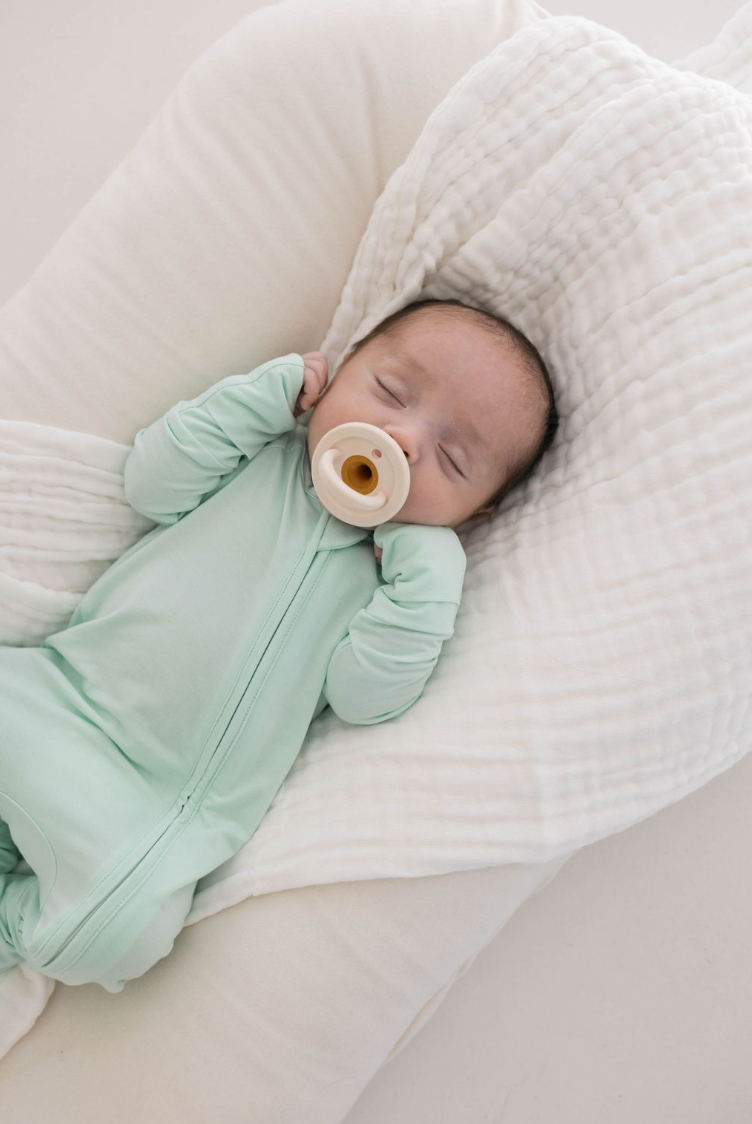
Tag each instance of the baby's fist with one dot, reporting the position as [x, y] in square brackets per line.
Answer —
[315, 373]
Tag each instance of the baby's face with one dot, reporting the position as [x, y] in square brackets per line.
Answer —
[454, 399]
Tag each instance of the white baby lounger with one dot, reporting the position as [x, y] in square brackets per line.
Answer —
[276, 994]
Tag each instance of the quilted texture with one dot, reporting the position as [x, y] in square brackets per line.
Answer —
[601, 662]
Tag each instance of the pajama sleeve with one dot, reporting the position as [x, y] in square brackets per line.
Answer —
[393, 645]
[179, 459]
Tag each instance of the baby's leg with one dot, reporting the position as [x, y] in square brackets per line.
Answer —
[14, 891]
[107, 950]
[19, 901]
[115, 855]
[154, 943]
[11, 890]
[19, 893]
[8, 852]
[108, 893]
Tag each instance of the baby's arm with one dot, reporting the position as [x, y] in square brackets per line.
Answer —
[180, 458]
[383, 664]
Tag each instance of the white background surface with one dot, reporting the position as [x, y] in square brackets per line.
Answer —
[623, 992]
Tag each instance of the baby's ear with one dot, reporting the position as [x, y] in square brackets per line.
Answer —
[481, 513]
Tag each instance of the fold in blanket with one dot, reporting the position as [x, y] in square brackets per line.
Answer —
[64, 519]
[600, 665]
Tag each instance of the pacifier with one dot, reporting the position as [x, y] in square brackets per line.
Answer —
[360, 474]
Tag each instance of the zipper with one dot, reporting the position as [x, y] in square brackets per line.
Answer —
[216, 754]
[118, 885]
[303, 566]
[194, 782]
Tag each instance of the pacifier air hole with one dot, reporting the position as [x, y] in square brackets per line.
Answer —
[360, 474]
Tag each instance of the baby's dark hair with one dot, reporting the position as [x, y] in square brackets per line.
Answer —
[520, 345]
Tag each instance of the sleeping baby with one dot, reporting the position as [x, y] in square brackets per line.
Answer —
[142, 744]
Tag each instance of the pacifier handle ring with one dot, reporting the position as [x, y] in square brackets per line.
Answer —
[347, 494]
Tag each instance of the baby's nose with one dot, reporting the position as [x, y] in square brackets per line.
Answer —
[408, 441]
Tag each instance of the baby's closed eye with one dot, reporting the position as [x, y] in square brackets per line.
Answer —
[387, 390]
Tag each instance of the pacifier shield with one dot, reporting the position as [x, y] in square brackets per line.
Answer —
[348, 481]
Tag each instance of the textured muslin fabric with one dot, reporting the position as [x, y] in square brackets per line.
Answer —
[600, 665]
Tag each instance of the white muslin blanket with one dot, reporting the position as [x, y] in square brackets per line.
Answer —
[600, 668]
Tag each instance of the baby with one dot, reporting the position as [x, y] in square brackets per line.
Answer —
[142, 745]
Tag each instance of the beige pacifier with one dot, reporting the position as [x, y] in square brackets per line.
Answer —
[360, 474]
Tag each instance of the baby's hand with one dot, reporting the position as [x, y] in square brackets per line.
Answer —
[314, 381]
[378, 552]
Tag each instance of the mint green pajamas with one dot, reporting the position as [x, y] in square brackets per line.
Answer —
[141, 746]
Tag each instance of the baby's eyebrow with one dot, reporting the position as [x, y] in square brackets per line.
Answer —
[473, 443]
[473, 437]
[412, 362]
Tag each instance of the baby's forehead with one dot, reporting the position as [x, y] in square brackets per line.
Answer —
[424, 327]
[422, 342]
[452, 319]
